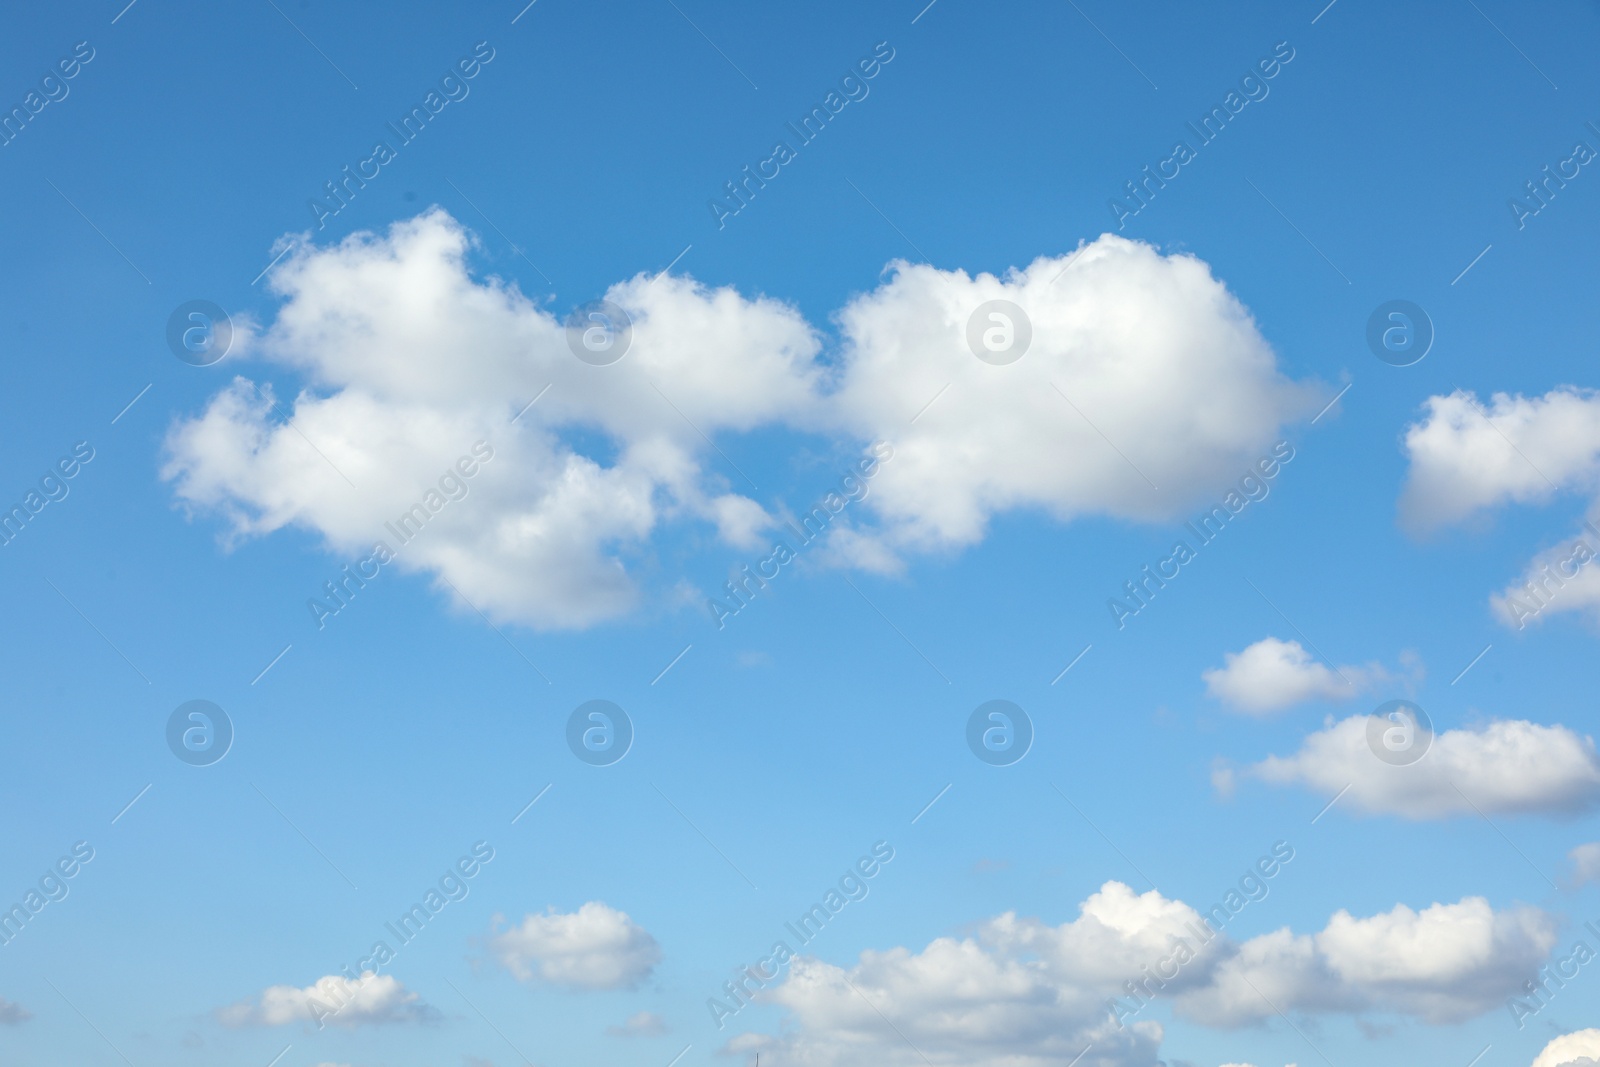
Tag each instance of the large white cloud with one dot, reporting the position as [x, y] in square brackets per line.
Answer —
[332, 1000]
[1580, 1049]
[1273, 674]
[408, 360]
[595, 947]
[1505, 767]
[1141, 366]
[1021, 993]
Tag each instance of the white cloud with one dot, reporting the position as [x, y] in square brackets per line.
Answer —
[1507, 767]
[1580, 1049]
[1563, 578]
[12, 1013]
[1466, 459]
[640, 1024]
[409, 360]
[1446, 963]
[1166, 369]
[1271, 675]
[1585, 865]
[1022, 993]
[377, 998]
[595, 947]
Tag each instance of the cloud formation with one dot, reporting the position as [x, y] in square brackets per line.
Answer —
[595, 947]
[408, 360]
[332, 1000]
[1580, 1049]
[1466, 459]
[1508, 767]
[1022, 993]
[1272, 674]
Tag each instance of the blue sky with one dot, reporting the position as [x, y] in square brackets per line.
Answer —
[771, 352]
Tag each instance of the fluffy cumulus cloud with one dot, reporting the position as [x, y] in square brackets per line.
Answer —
[1467, 459]
[333, 1000]
[1138, 362]
[1580, 1049]
[1022, 993]
[595, 947]
[1271, 675]
[1142, 370]
[1510, 767]
[1445, 963]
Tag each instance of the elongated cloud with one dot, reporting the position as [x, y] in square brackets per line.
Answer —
[1272, 674]
[333, 1000]
[1023, 993]
[1140, 366]
[1510, 767]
